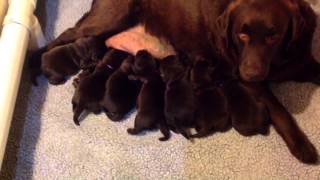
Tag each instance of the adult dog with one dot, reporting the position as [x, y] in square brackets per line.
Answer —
[262, 39]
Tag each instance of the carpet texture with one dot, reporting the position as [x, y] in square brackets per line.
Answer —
[45, 144]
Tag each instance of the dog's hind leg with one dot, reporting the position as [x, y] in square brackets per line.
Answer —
[105, 18]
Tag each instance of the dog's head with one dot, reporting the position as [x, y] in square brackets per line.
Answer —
[256, 33]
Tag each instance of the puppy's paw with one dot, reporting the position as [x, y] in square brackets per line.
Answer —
[306, 153]
[133, 131]
[34, 74]
[166, 133]
[164, 138]
[316, 80]
[56, 80]
[114, 116]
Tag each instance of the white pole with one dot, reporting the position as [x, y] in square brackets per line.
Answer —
[13, 45]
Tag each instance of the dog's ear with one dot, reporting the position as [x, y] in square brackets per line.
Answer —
[303, 23]
[297, 21]
[224, 32]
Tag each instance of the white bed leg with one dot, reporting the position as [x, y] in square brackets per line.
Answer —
[14, 42]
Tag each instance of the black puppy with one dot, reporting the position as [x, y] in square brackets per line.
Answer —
[90, 87]
[121, 93]
[248, 114]
[66, 60]
[179, 95]
[212, 107]
[150, 101]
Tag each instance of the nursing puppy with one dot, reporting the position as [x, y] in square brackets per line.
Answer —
[90, 87]
[63, 61]
[212, 107]
[150, 101]
[179, 95]
[121, 93]
[248, 114]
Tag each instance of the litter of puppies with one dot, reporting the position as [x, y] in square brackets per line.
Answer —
[177, 93]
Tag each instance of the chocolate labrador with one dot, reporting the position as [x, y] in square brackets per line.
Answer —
[258, 38]
[150, 103]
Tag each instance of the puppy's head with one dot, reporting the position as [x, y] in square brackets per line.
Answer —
[90, 48]
[256, 32]
[171, 68]
[144, 63]
[127, 64]
[201, 71]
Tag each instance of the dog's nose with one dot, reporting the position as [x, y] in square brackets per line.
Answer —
[253, 76]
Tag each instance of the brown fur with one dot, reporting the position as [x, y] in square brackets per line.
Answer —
[212, 107]
[121, 93]
[150, 103]
[210, 28]
[207, 28]
[179, 96]
[297, 142]
[90, 87]
[66, 60]
[249, 116]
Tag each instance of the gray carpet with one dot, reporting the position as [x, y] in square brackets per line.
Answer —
[45, 144]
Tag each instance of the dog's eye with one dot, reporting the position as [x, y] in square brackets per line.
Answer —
[244, 37]
[272, 39]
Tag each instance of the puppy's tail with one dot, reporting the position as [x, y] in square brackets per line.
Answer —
[76, 114]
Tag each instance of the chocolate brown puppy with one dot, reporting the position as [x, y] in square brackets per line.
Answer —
[63, 61]
[121, 93]
[91, 85]
[212, 107]
[150, 101]
[249, 115]
[179, 96]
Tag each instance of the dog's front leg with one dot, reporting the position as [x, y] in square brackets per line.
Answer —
[283, 122]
